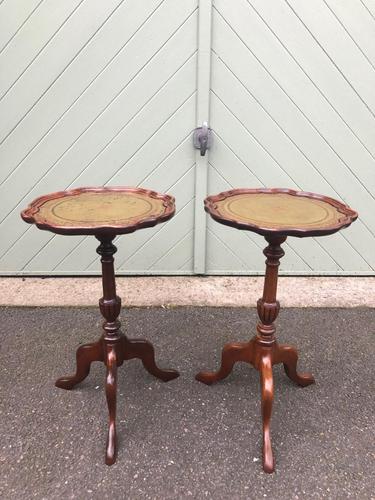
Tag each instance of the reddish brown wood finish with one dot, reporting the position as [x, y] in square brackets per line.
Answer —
[30, 214]
[263, 351]
[348, 215]
[113, 348]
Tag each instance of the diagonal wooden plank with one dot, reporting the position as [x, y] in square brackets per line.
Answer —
[130, 140]
[369, 6]
[308, 102]
[224, 159]
[13, 16]
[21, 52]
[359, 26]
[265, 129]
[177, 256]
[41, 75]
[104, 91]
[248, 244]
[136, 97]
[315, 146]
[222, 258]
[261, 77]
[154, 247]
[317, 67]
[340, 49]
[186, 266]
[170, 169]
[82, 72]
[183, 191]
[138, 132]
[246, 146]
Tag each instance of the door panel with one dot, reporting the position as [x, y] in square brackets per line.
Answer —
[108, 93]
[111, 103]
[288, 110]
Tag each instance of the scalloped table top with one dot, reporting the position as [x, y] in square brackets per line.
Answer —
[282, 211]
[116, 210]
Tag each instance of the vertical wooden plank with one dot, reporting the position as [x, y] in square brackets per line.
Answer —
[203, 113]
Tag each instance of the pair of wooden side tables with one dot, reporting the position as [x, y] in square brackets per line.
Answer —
[108, 212]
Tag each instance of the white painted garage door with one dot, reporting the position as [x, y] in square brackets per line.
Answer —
[108, 93]
[292, 105]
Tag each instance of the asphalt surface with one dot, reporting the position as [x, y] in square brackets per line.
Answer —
[183, 439]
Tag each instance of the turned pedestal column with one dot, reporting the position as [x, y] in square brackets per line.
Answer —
[275, 214]
[263, 351]
[105, 213]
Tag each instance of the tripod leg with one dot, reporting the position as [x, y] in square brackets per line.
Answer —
[144, 350]
[110, 390]
[230, 355]
[288, 356]
[266, 380]
[85, 355]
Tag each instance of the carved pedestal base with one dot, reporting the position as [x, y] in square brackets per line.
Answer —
[113, 354]
[263, 351]
[262, 357]
[113, 348]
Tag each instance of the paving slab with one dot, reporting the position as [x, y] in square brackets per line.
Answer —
[213, 291]
[185, 440]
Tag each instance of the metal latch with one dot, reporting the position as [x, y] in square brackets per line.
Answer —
[202, 138]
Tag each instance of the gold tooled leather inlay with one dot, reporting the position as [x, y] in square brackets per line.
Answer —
[278, 210]
[92, 209]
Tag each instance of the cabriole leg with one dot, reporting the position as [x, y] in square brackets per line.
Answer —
[231, 354]
[144, 350]
[289, 357]
[110, 391]
[266, 381]
[86, 354]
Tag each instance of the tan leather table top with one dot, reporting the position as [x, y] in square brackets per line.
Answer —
[279, 210]
[282, 211]
[92, 210]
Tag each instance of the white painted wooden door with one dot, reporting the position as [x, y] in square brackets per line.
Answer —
[292, 105]
[97, 92]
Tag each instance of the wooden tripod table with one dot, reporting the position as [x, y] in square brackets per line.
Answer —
[275, 214]
[105, 213]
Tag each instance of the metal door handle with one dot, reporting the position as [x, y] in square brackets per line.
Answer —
[202, 138]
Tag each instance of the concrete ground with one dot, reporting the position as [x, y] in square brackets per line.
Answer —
[215, 291]
[183, 439]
